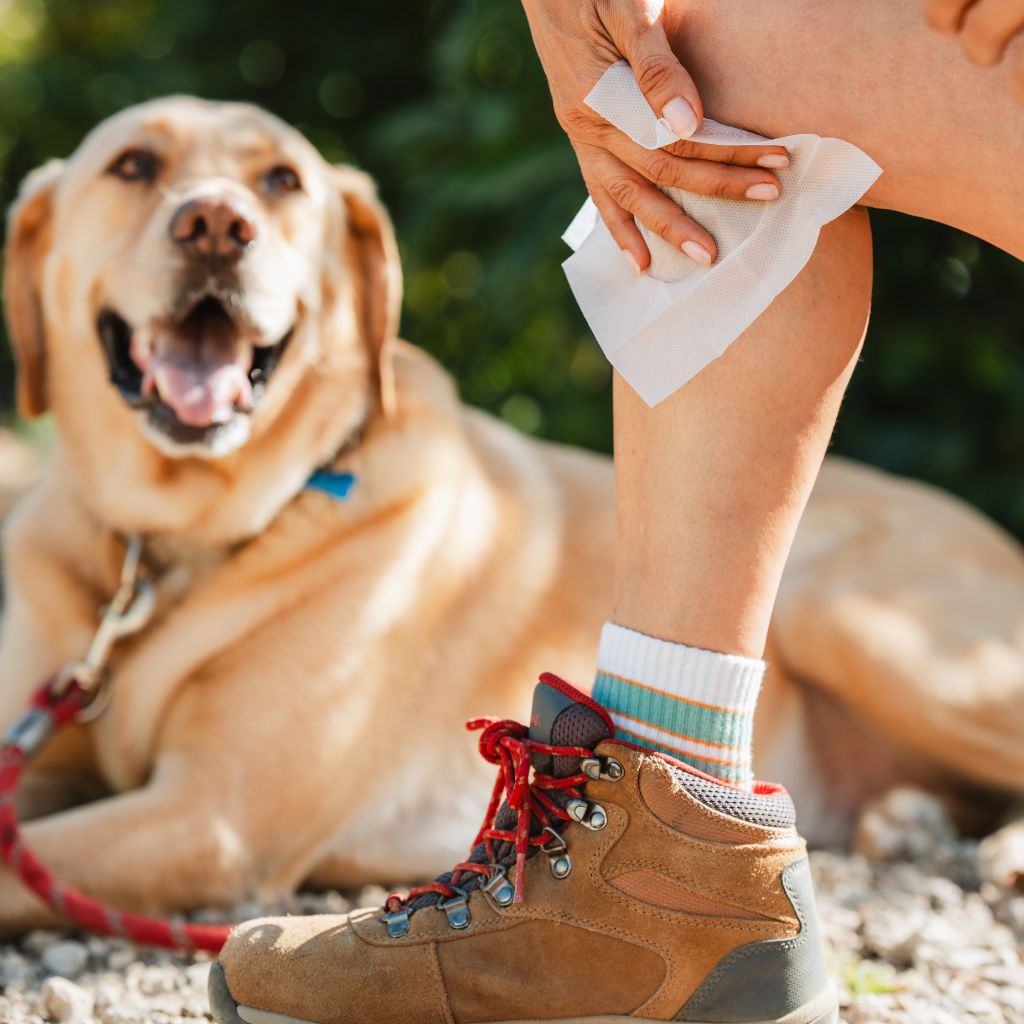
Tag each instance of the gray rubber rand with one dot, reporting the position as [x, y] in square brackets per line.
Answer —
[225, 1010]
[769, 979]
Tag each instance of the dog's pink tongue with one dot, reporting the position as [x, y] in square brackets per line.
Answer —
[203, 377]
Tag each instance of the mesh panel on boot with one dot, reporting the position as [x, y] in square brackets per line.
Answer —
[579, 726]
[576, 726]
[774, 811]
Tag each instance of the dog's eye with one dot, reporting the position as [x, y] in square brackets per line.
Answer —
[280, 180]
[135, 165]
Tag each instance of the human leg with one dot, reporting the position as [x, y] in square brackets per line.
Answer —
[711, 485]
[712, 482]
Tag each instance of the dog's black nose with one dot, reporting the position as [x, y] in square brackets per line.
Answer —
[213, 227]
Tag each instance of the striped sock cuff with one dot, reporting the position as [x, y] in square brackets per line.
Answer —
[694, 704]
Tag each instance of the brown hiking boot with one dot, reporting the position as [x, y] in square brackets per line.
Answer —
[613, 884]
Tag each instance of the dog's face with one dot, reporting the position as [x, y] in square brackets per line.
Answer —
[205, 243]
[202, 258]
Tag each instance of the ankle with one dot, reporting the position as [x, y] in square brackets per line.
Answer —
[693, 704]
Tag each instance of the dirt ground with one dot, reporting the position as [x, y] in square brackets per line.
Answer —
[913, 941]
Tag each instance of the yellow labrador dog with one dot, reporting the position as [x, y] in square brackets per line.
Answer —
[208, 310]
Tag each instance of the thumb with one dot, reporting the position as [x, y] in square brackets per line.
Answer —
[663, 80]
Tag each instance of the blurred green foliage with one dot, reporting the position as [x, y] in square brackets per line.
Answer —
[446, 105]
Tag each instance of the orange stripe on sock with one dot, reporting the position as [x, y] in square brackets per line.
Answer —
[685, 755]
[678, 735]
[672, 696]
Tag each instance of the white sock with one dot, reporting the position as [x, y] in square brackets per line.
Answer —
[696, 705]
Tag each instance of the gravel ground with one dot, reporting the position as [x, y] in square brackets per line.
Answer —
[920, 941]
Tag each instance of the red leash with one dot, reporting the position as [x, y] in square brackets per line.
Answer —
[64, 698]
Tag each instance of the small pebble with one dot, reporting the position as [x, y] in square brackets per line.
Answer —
[35, 942]
[247, 911]
[66, 1002]
[1001, 857]
[119, 959]
[13, 968]
[198, 974]
[67, 958]
[904, 823]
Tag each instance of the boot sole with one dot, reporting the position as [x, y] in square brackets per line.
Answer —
[823, 1009]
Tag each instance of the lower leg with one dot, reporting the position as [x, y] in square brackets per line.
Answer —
[711, 485]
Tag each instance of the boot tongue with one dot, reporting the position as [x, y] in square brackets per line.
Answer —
[564, 717]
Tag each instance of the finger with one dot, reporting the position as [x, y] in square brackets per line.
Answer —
[945, 15]
[988, 26]
[662, 79]
[705, 177]
[741, 156]
[583, 124]
[1018, 79]
[622, 228]
[620, 224]
[637, 196]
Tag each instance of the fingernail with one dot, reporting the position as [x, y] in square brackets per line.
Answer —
[773, 160]
[763, 191]
[680, 116]
[697, 253]
[631, 259]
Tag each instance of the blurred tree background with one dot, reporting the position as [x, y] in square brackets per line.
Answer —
[445, 104]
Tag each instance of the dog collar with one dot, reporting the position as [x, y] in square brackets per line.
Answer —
[337, 485]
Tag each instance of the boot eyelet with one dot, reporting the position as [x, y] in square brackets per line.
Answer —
[500, 888]
[605, 769]
[397, 922]
[457, 909]
[561, 866]
[558, 854]
[590, 815]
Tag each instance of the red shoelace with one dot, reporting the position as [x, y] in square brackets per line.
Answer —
[506, 744]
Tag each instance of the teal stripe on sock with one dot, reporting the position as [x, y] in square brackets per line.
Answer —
[693, 721]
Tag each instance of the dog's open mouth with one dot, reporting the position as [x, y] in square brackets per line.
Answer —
[195, 375]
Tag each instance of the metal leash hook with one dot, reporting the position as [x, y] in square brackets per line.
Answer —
[57, 702]
[128, 612]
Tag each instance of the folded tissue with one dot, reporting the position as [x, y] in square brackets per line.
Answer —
[660, 328]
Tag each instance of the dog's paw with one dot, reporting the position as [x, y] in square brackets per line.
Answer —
[904, 824]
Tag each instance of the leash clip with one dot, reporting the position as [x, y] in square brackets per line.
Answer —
[128, 612]
[30, 731]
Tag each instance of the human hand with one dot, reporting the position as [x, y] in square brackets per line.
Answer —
[577, 40]
[985, 28]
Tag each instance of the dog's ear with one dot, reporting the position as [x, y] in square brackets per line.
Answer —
[28, 238]
[373, 251]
